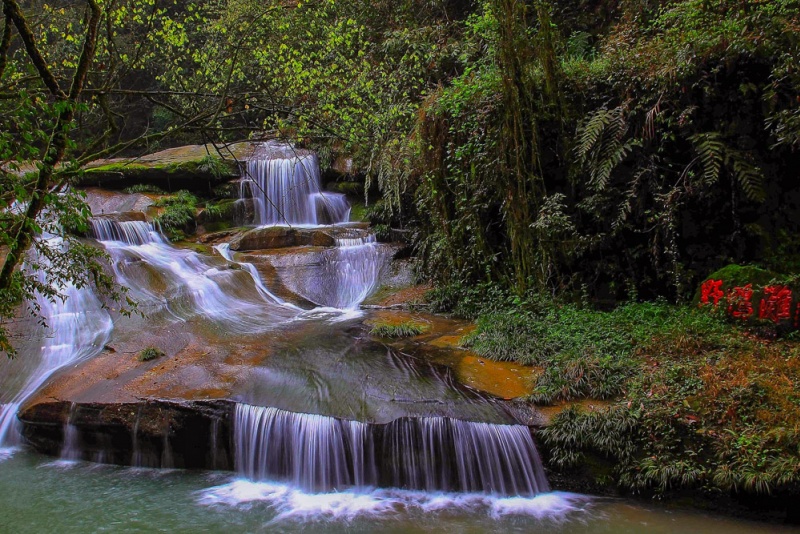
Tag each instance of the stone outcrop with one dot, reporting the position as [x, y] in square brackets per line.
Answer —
[124, 216]
[197, 168]
[272, 237]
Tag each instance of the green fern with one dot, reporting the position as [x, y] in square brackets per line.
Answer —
[602, 146]
[714, 155]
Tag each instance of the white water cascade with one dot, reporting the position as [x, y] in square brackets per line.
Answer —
[340, 277]
[319, 453]
[185, 283]
[286, 189]
[77, 327]
[284, 185]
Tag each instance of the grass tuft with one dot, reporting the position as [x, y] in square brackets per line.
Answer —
[144, 188]
[150, 353]
[404, 329]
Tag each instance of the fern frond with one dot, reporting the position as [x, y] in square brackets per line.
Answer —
[589, 134]
[711, 151]
[714, 154]
[601, 148]
[749, 176]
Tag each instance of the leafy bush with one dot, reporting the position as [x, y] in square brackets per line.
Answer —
[584, 352]
[178, 215]
[144, 188]
[213, 165]
[701, 404]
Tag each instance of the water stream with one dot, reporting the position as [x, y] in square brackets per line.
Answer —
[319, 453]
[40, 495]
[75, 327]
[329, 429]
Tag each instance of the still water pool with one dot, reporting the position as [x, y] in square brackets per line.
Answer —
[38, 494]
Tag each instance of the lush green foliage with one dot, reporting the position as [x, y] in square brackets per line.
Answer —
[697, 403]
[145, 188]
[178, 216]
[583, 352]
[643, 149]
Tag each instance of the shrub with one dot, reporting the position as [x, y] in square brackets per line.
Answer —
[144, 188]
[179, 213]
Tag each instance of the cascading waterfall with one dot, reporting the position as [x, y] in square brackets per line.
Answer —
[319, 453]
[286, 189]
[129, 232]
[77, 328]
[340, 277]
[184, 282]
[224, 250]
[71, 448]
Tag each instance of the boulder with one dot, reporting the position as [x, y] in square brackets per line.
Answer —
[752, 295]
[271, 237]
[104, 202]
[126, 216]
[193, 167]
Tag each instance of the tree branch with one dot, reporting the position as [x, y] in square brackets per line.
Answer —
[5, 44]
[58, 137]
[12, 11]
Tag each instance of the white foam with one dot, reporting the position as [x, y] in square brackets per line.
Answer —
[332, 315]
[62, 464]
[293, 504]
[7, 452]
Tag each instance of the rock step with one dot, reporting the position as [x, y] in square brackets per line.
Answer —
[272, 237]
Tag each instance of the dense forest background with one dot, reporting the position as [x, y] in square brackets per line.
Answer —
[590, 147]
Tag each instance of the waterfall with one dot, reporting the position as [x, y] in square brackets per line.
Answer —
[356, 241]
[77, 327]
[286, 189]
[320, 453]
[185, 283]
[71, 448]
[128, 232]
[284, 185]
[224, 250]
[340, 277]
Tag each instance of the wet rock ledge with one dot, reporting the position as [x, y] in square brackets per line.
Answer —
[150, 433]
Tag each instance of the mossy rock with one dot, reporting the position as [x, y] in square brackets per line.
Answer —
[734, 275]
[753, 295]
[223, 211]
[358, 211]
[351, 189]
[198, 168]
[739, 275]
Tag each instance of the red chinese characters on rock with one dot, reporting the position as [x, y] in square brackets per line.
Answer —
[740, 303]
[711, 292]
[776, 305]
